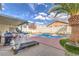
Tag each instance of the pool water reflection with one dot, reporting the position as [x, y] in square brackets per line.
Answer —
[46, 35]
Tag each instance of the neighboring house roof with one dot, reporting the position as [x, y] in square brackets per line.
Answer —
[9, 20]
[32, 26]
[57, 21]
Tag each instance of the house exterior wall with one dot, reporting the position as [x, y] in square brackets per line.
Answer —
[53, 28]
[58, 25]
[38, 29]
[4, 28]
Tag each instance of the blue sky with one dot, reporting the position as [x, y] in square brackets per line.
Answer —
[36, 13]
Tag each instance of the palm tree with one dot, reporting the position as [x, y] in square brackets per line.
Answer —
[71, 9]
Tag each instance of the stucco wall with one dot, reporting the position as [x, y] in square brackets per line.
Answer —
[4, 28]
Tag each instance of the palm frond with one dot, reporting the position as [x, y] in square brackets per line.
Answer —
[69, 8]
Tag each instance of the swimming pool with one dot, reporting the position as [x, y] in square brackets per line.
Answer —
[51, 36]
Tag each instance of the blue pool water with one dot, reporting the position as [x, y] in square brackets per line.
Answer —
[50, 36]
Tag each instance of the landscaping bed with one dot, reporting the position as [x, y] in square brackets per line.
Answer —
[70, 49]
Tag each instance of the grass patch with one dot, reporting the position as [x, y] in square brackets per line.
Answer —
[72, 49]
[69, 48]
[63, 42]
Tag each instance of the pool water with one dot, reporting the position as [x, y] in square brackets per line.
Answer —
[50, 36]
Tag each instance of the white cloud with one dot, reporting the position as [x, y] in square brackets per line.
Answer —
[40, 23]
[42, 13]
[30, 21]
[43, 4]
[40, 3]
[2, 5]
[47, 18]
[46, 6]
[42, 16]
[51, 15]
[32, 6]
[61, 17]
[3, 8]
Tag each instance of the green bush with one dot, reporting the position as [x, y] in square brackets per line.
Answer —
[70, 48]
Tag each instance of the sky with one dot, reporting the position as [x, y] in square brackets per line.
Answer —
[32, 12]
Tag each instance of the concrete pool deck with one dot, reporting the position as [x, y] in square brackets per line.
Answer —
[38, 50]
[47, 47]
[50, 42]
